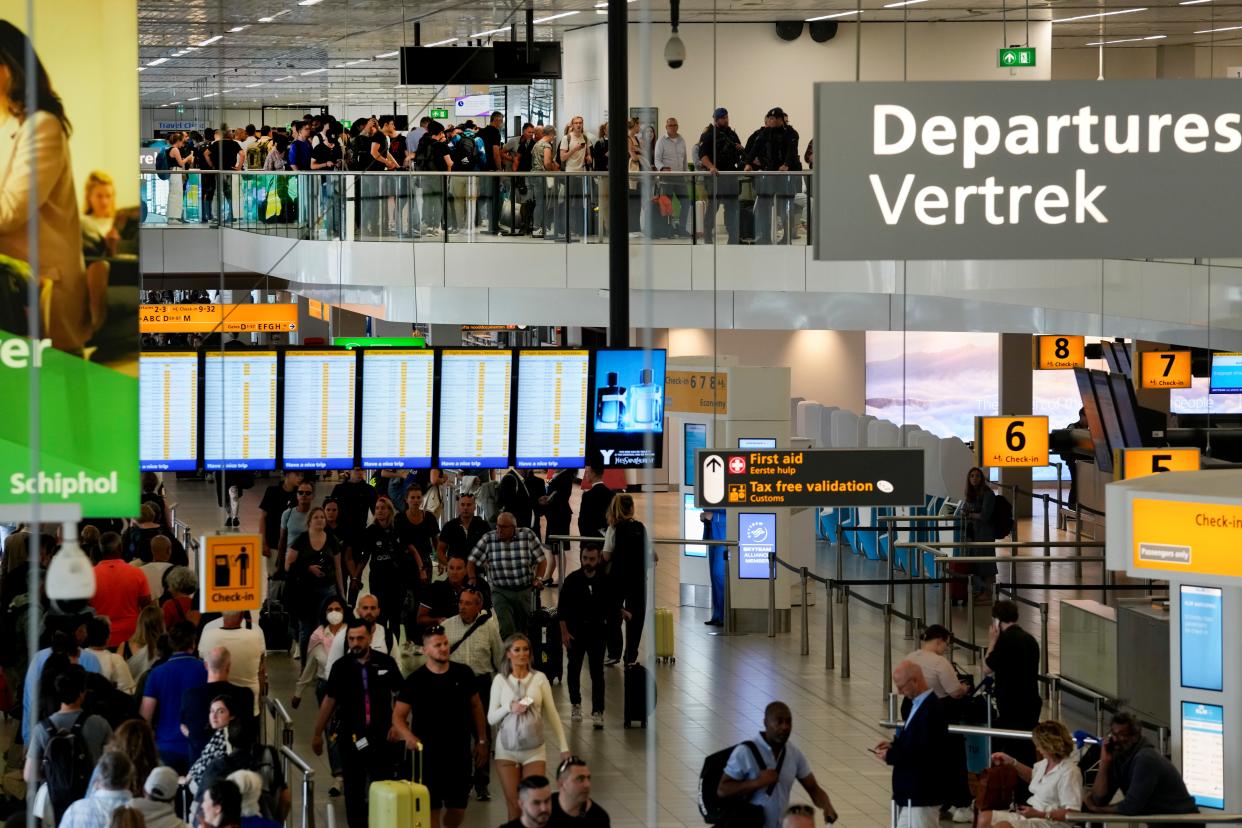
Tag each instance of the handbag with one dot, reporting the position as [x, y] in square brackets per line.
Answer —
[996, 789]
[521, 731]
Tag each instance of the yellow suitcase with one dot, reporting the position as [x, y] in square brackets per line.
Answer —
[664, 635]
[400, 804]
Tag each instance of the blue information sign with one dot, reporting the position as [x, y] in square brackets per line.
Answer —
[1203, 753]
[1202, 638]
[756, 542]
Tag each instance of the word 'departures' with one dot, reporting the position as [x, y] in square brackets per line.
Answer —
[1074, 199]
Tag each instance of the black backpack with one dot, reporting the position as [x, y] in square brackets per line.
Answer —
[466, 156]
[162, 163]
[1002, 517]
[67, 764]
[715, 809]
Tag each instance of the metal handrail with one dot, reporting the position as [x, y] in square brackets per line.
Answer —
[1161, 819]
[308, 785]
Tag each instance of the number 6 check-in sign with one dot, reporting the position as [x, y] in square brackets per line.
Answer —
[1011, 441]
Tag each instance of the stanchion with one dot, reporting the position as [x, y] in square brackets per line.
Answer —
[886, 681]
[840, 559]
[728, 596]
[916, 566]
[1060, 497]
[892, 589]
[772, 595]
[970, 623]
[829, 653]
[1043, 640]
[1078, 535]
[942, 570]
[1106, 593]
[806, 618]
[1099, 715]
[909, 631]
[1047, 541]
[845, 631]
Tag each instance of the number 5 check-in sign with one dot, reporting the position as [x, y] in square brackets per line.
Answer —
[1011, 441]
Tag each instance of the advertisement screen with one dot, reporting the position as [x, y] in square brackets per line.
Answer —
[397, 392]
[1198, 399]
[69, 254]
[692, 526]
[551, 409]
[627, 407]
[756, 542]
[694, 437]
[1203, 655]
[239, 409]
[1203, 753]
[168, 412]
[475, 386]
[319, 409]
[756, 443]
[1226, 374]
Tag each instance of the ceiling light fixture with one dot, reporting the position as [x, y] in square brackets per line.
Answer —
[173, 103]
[211, 40]
[1099, 14]
[443, 42]
[239, 28]
[227, 91]
[142, 68]
[266, 19]
[604, 4]
[253, 85]
[355, 62]
[489, 32]
[831, 16]
[315, 71]
[903, 3]
[552, 17]
[388, 55]
[211, 94]
[191, 99]
[309, 2]
[285, 78]
[1201, 31]
[158, 61]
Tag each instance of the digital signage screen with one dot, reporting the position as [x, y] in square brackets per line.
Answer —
[1226, 375]
[398, 389]
[756, 543]
[692, 526]
[756, 443]
[475, 389]
[168, 411]
[319, 387]
[1202, 638]
[627, 407]
[694, 437]
[551, 409]
[239, 410]
[1203, 753]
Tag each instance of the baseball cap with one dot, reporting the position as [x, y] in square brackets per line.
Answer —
[776, 112]
[161, 784]
[720, 112]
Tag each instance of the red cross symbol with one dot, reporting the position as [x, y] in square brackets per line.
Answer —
[737, 465]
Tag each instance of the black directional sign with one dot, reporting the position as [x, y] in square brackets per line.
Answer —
[809, 477]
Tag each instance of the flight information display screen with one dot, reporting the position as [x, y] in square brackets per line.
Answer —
[551, 410]
[168, 411]
[475, 388]
[239, 410]
[397, 402]
[319, 391]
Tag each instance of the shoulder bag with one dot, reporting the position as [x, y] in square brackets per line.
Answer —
[521, 731]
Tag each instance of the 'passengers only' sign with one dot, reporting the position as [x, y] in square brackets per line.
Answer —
[1034, 170]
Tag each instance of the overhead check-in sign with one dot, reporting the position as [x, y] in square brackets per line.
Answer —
[814, 477]
[1059, 352]
[1009, 442]
[1065, 169]
[1129, 463]
[1164, 369]
[280, 318]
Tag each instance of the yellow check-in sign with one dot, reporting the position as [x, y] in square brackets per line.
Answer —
[1019, 441]
[1184, 537]
[1164, 369]
[229, 572]
[1131, 463]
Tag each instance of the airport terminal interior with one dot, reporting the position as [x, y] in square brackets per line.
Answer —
[870, 432]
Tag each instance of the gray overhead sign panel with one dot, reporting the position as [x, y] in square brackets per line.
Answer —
[1039, 169]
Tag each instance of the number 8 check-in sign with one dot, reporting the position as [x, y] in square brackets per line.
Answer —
[1011, 441]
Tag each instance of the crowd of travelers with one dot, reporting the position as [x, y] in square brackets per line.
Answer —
[547, 201]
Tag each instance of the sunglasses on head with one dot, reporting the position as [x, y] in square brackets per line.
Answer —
[434, 630]
[568, 763]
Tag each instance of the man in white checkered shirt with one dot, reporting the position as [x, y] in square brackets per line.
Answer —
[515, 562]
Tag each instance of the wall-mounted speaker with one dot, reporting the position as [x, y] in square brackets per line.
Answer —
[789, 29]
[823, 31]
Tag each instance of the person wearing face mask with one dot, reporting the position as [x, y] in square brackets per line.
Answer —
[360, 692]
[332, 625]
[585, 608]
[368, 608]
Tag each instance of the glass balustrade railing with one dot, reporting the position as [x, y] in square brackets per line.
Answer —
[670, 208]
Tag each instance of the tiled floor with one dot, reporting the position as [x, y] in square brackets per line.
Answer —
[713, 696]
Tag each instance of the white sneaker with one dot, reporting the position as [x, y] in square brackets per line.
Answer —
[575, 713]
[597, 719]
[296, 653]
[962, 815]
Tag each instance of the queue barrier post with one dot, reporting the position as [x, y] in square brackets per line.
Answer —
[1078, 533]
[728, 596]
[840, 559]
[845, 631]
[1043, 642]
[772, 595]
[1047, 539]
[970, 623]
[886, 680]
[829, 650]
[806, 619]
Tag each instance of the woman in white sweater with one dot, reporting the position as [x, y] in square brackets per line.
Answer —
[522, 696]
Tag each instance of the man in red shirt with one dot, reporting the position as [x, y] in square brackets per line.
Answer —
[121, 590]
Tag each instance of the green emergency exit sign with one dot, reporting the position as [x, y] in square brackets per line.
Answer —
[439, 113]
[1016, 57]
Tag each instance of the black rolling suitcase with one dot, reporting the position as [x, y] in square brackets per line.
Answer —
[275, 624]
[547, 652]
[637, 706]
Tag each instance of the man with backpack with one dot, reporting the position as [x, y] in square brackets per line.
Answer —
[752, 787]
[1013, 659]
[65, 746]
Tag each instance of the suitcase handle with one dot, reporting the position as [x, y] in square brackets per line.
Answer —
[416, 760]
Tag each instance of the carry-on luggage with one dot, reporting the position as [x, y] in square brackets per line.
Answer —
[547, 650]
[275, 624]
[961, 583]
[664, 635]
[401, 804]
[637, 706]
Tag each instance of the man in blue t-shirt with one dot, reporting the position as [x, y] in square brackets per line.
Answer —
[161, 700]
[767, 779]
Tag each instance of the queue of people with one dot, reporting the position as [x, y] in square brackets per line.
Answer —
[547, 201]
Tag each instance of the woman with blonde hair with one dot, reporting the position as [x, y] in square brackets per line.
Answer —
[629, 554]
[141, 646]
[136, 739]
[521, 705]
[1055, 782]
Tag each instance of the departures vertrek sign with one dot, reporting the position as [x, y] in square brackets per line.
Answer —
[1028, 170]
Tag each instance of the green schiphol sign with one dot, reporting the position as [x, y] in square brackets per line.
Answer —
[1016, 58]
[379, 342]
[438, 113]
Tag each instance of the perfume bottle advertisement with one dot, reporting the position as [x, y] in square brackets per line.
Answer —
[627, 404]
